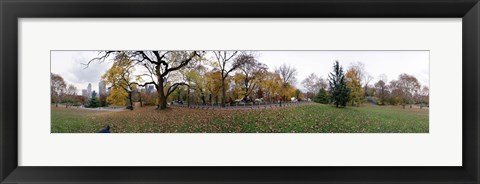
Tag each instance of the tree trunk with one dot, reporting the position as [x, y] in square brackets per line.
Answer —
[188, 96]
[280, 100]
[246, 89]
[162, 99]
[131, 101]
[203, 98]
[366, 89]
[223, 92]
[140, 99]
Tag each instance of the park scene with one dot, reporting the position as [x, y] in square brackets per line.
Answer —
[230, 91]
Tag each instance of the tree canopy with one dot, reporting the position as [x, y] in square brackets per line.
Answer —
[226, 77]
[339, 92]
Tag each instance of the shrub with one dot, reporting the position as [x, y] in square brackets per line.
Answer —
[322, 97]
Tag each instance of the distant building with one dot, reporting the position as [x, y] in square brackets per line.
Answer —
[102, 90]
[89, 90]
[85, 93]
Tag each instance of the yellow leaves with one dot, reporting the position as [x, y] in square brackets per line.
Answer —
[117, 96]
[214, 82]
[119, 78]
[353, 83]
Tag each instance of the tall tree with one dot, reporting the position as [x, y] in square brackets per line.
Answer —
[215, 84]
[158, 65]
[353, 84]
[120, 76]
[70, 95]
[396, 93]
[423, 96]
[118, 96]
[189, 75]
[298, 94]
[381, 88]
[364, 75]
[193, 76]
[272, 84]
[338, 89]
[226, 63]
[313, 84]
[57, 88]
[409, 86]
[198, 82]
[288, 75]
[252, 70]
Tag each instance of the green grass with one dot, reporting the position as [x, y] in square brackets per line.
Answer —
[74, 120]
[312, 118]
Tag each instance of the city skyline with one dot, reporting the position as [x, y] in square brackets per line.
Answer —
[102, 90]
[106, 90]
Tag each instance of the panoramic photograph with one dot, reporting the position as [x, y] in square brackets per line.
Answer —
[230, 91]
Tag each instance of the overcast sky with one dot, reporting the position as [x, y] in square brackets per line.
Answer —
[391, 63]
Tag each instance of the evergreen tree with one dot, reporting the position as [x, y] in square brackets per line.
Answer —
[93, 101]
[338, 89]
[322, 97]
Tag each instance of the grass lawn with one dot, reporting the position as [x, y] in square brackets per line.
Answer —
[311, 118]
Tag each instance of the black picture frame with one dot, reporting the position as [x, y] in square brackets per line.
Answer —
[12, 10]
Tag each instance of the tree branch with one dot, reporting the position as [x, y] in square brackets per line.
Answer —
[173, 87]
[100, 59]
[144, 56]
[182, 64]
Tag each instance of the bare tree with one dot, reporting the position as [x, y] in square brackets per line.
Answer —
[70, 95]
[226, 64]
[288, 75]
[57, 88]
[381, 87]
[409, 86]
[423, 96]
[313, 84]
[364, 75]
